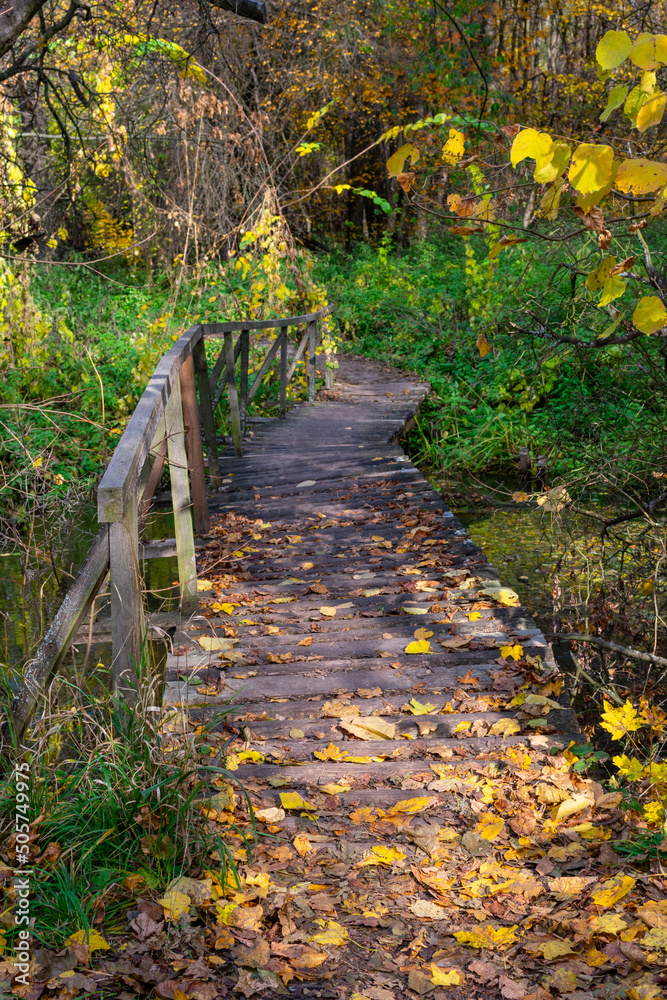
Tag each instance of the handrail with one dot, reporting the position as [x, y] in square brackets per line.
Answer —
[166, 426]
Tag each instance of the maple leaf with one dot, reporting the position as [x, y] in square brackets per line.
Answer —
[511, 652]
[613, 890]
[621, 720]
[417, 708]
[382, 856]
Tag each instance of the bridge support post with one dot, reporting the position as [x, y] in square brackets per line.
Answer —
[245, 355]
[283, 372]
[312, 346]
[180, 495]
[232, 390]
[195, 451]
[127, 611]
[207, 418]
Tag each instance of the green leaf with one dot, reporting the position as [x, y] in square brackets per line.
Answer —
[616, 98]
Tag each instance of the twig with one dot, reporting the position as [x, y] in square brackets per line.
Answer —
[613, 646]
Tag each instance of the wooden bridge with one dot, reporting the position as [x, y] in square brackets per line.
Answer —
[394, 716]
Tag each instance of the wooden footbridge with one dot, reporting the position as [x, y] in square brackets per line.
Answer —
[341, 586]
[395, 718]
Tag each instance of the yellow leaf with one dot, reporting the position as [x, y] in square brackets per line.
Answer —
[504, 727]
[616, 98]
[591, 167]
[656, 938]
[595, 958]
[612, 890]
[503, 595]
[292, 800]
[396, 163]
[204, 584]
[612, 289]
[483, 345]
[92, 938]
[530, 143]
[452, 151]
[487, 936]
[328, 612]
[571, 806]
[634, 102]
[273, 814]
[423, 633]
[549, 167]
[463, 727]
[417, 708]
[335, 934]
[226, 607]
[622, 720]
[550, 201]
[489, 826]
[368, 728]
[650, 314]
[511, 652]
[210, 642]
[643, 52]
[554, 949]
[411, 806]
[651, 113]
[610, 923]
[175, 903]
[332, 752]
[475, 616]
[302, 844]
[613, 49]
[426, 908]
[420, 646]
[446, 977]
[382, 856]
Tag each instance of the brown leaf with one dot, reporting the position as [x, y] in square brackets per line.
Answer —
[145, 927]
[486, 972]
[510, 989]
[593, 219]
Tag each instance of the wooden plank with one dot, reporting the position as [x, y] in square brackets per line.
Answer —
[259, 377]
[283, 372]
[220, 329]
[158, 449]
[297, 357]
[119, 481]
[234, 411]
[216, 393]
[206, 410]
[127, 612]
[194, 447]
[180, 493]
[244, 341]
[55, 644]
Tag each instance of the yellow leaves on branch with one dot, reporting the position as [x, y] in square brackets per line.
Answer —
[650, 314]
[396, 163]
[613, 49]
[453, 149]
[591, 168]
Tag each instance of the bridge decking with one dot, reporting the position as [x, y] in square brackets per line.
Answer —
[325, 512]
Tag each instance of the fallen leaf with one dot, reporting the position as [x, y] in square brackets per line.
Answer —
[211, 642]
[302, 844]
[335, 934]
[328, 612]
[382, 856]
[446, 977]
[555, 949]
[419, 646]
[292, 800]
[426, 909]
[174, 904]
[487, 936]
[370, 728]
[92, 939]
[613, 890]
[417, 708]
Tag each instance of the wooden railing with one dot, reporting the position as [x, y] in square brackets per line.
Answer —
[166, 426]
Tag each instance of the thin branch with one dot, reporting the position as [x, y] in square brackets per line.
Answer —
[613, 646]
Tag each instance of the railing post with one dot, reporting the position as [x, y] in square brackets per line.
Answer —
[283, 372]
[207, 418]
[245, 353]
[127, 611]
[180, 496]
[234, 415]
[312, 343]
[195, 451]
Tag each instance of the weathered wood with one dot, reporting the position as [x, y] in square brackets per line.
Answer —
[206, 409]
[312, 359]
[159, 450]
[194, 447]
[297, 357]
[244, 341]
[220, 329]
[60, 633]
[218, 380]
[259, 377]
[180, 493]
[127, 612]
[283, 372]
[232, 391]
[118, 483]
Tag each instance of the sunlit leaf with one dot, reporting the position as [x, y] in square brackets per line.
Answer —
[487, 936]
[616, 98]
[591, 167]
[396, 163]
[530, 143]
[640, 176]
[652, 112]
[642, 52]
[452, 151]
[419, 646]
[650, 314]
[613, 890]
[613, 49]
